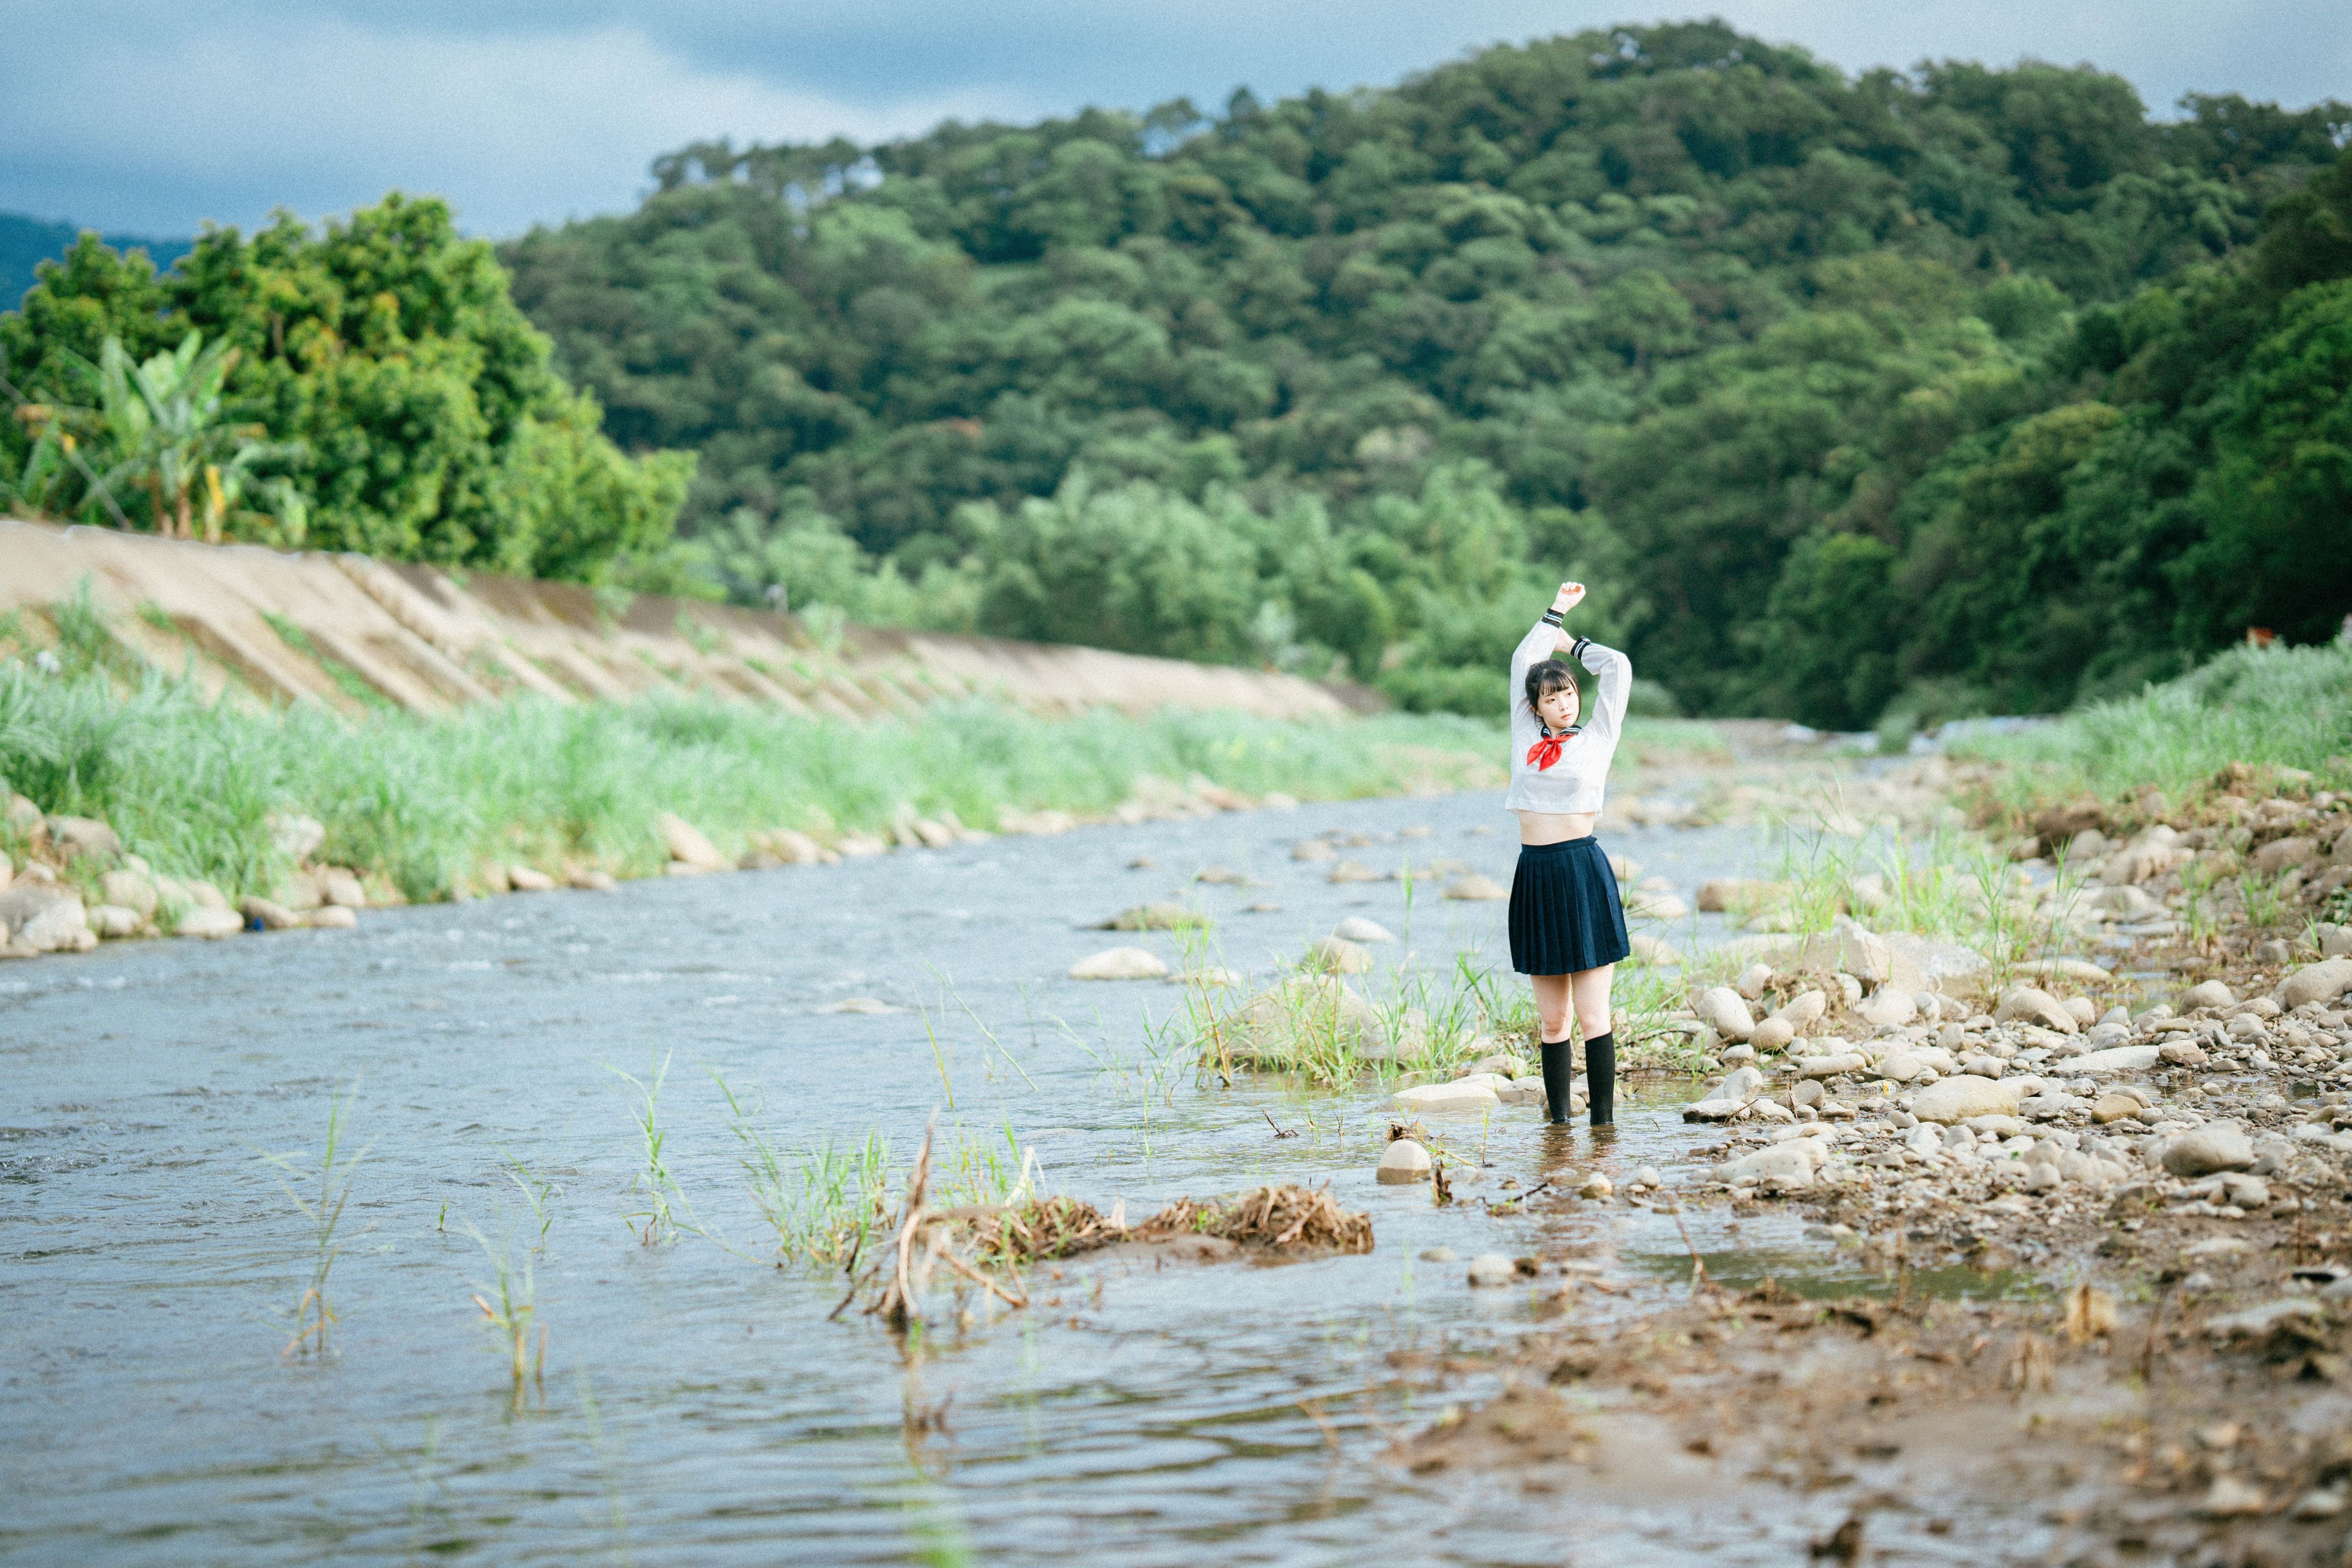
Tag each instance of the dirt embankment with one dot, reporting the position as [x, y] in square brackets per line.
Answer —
[348, 633]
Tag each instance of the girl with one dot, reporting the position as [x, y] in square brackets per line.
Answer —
[1568, 926]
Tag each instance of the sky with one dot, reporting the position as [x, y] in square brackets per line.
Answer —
[156, 116]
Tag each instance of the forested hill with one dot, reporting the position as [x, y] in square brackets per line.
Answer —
[1840, 390]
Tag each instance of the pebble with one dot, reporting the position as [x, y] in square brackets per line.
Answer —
[1492, 1269]
[1120, 964]
[1476, 889]
[332, 917]
[1356, 928]
[1774, 1033]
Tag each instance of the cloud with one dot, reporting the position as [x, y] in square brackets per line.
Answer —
[513, 128]
[153, 114]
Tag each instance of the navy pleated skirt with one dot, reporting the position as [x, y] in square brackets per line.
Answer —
[1565, 915]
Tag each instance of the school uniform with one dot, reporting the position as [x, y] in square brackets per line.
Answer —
[1567, 914]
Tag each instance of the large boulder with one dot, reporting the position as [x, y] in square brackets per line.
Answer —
[2321, 982]
[1846, 948]
[75, 836]
[1802, 1010]
[130, 889]
[1721, 1010]
[1925, 964]
[1306, 1018]
[1954, 1100]
[43, 916]
[1889, 1006]
[2028, 1004]
[687, 844]
[2203, 1151]
[205, 920]
[2281, 854]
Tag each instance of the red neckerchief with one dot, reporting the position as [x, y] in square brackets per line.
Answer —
[1545, 752]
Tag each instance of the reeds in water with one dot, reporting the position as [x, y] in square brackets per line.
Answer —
[510, 1307]
[324, 1186]
[657, 1221]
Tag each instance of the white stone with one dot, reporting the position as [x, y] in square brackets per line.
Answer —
[333, 917]
[1356, 928]
[1489, 1269]
[1888, 1008]
[2115, 1058]
[1120, 964]
[1403, 1161]
[1722, 1009]
[2204, 1151]
[1463, 1095]
[687, 844]
[203, 920]
[2206, 994]
[115, 920]
[1958, 1098]
[1475, 889]
[2320, 982]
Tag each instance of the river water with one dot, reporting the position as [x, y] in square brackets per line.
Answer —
[699, 1406]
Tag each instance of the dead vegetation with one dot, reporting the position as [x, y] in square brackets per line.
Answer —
[988, 1245]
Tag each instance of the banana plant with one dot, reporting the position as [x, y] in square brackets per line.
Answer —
[160, 427]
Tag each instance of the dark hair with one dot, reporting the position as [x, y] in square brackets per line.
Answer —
[1546, 676]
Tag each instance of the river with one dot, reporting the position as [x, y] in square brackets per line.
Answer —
[698, 1406]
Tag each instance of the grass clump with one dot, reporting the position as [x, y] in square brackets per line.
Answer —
[2276, 707]
[823, 1207]
[190, 782]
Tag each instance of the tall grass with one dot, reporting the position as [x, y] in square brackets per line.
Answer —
[190, 782]
[2287, 707]
[319, 1189]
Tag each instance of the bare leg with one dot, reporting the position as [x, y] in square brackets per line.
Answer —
[1552, 1003]
[1591, 990]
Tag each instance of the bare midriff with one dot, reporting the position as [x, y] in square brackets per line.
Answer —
[1555, 827]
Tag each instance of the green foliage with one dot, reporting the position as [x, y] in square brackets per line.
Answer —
[2286, 707]
[1756, 347]
[190, 783]
[377, 375]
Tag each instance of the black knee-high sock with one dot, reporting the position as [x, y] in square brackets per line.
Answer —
[1560, 1077]
[1601, 1077]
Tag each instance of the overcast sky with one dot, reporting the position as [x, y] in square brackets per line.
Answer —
[151, 116]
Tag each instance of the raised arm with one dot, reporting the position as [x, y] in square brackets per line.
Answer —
[1545, 637]
[1613, 673]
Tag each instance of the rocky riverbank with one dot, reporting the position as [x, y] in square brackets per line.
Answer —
[2161, 1138]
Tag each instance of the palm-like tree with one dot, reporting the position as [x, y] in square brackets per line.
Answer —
[162, 422]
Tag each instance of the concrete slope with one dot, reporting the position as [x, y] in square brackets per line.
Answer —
[352, 633]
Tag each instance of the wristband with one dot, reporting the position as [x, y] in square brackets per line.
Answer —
[1551, 618]
[1577, 651]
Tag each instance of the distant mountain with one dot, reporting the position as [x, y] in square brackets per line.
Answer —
[24, 243]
